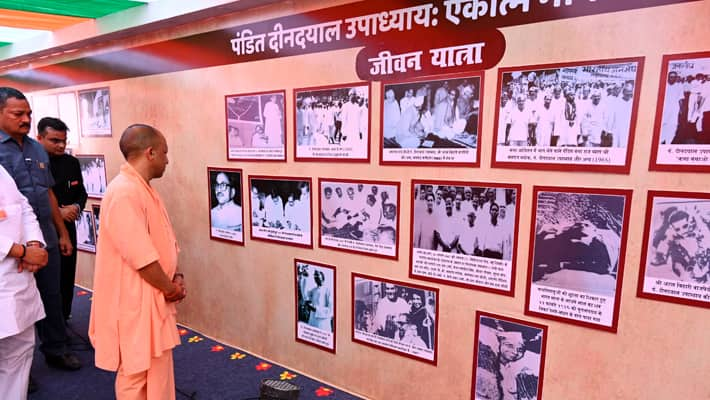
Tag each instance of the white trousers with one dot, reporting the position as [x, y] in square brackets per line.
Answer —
[15, 361]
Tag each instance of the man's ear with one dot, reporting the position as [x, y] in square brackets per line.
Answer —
[149, 152]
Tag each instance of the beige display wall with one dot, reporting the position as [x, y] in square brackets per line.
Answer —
[244, 296]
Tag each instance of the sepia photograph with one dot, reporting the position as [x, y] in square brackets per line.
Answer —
[682, 130]
[93, 171]
[226, 215]
[315, 304]
[256, 126]
[675, 263]
[359, 216]
[463, 233]
[333, 123]
[509, 358]
[556, 116]
[431, 121]
[280, 210]
[395, 316]
[85, 234]
[95, 112]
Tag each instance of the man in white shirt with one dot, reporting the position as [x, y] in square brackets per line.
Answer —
[21, 254]
[388, 308]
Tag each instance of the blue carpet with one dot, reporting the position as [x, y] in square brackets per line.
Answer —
[204, 369]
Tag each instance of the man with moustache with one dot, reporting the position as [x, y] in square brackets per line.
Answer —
[132, 325]
[28, 163]
[71, 196]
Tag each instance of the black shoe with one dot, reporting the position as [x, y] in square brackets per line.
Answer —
[32, 387]
[67, 361]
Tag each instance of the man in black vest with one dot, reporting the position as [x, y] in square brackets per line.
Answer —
[71, 196]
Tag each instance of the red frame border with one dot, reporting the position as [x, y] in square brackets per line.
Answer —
[652, 194]
[620, 169]
[77, 156]
[652, 164]
[627, 194]
[514, 257]
[78, 111]
[400, 283]
[280, 178]
[93, 228]
[335, 303]
[226, 126]
[475, 74]
[296, 158]
[367, 182]
[209, 197]
[543, 349]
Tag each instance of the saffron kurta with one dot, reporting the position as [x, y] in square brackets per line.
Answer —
[130, 320]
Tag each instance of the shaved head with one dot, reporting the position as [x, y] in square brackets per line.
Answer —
[137, 138]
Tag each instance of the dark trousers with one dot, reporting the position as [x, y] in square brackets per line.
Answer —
[51, 329]
[68, 274]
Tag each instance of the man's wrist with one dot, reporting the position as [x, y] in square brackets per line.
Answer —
[35, 243]
[179, 275]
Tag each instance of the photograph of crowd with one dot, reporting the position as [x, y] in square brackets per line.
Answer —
[678, 246]
[85, 234]
[93, 171]
[95, 112]
[588, 105]
[395, 316]
[359, 211]
[431, 114]
[96, 211]
[509, 359]
[281, 205]
[577, 240]
[315, 298]
[226, 204]
[686, 102]
[255, 121]
[471, 220]
[329, 121]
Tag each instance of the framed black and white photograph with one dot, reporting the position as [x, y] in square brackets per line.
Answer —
[315, 304]
[93, 171]
[226, 214]
[85, 233]
[256, 126]
[96, 213]
[681, 136]
[359, 216]
[558, 116]
[508, 358]
[395, 316]
[95, 112]
[332, 123]
[577, 255]
[280, 210]
[432, 122]
[465, 234]
[675, 262]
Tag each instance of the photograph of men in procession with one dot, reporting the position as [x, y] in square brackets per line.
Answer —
[678, 246]
[333, 118]
[578, 240]
[568, 106]
[476, 221]
[360, 211]
[402, 314]
[93, 172]
[255, 121]
[431, 114]
[85, 234]
[509, 359]
[686, 107]
[95, 112]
